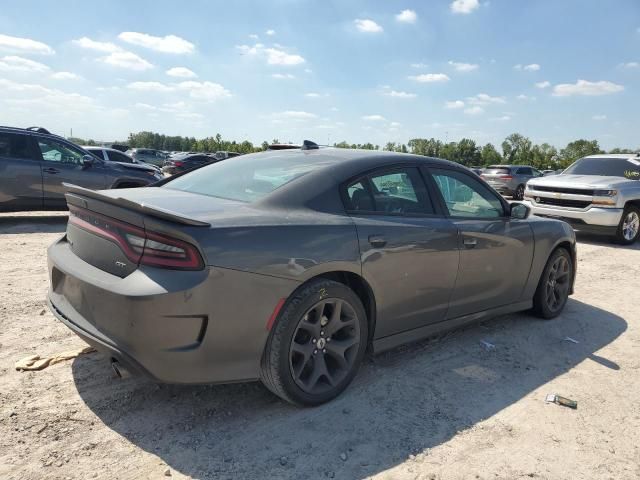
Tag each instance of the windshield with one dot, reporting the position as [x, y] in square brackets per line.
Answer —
[248, 177]
[606, 167]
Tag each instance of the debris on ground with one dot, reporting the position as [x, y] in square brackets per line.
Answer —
[487, 345]
[36, 362]
[564, 401]
[572, 340]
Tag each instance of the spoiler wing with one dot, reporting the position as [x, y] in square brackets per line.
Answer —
[74, 195]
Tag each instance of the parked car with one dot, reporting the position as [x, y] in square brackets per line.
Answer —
[147, 155]
[510, 180]
[287, 266]
[114, 155]
[223, 155]
[283, 146]
[35, 163]
[179, 164]
[546, 173]
[597, 194]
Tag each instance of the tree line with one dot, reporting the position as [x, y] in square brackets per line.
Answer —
[515, 149]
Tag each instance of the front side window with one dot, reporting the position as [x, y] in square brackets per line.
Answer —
[53, 151]
[465, 196]
[119, 157]
[14, 146]
[394, 192]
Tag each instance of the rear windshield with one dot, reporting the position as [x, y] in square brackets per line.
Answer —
[606, 167]
[496, 171]
[247, 178]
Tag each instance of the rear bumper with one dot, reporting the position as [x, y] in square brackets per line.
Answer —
[172, 326]
[597, 220]
[502, 189]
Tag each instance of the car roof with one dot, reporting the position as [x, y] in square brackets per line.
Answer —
[108, 149]
[32, 131]
[614, 155]
[509, 166]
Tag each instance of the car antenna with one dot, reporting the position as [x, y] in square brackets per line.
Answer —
[309, 145]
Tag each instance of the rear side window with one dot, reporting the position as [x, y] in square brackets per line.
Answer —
[497, 171]
[393, 192]
[119, 157]
[525, 171]
[14, 146]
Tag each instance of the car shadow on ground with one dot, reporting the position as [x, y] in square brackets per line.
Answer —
[402, 402]
[38, 223]
[604, 241]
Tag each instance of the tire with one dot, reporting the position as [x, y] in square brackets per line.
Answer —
[554, 285]
[629, 226]
[518, 194]
[293, 367]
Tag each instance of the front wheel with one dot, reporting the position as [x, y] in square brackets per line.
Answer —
[629, 226]
[553, 288]
[316, 345]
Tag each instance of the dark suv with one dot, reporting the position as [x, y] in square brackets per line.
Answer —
[34, 163]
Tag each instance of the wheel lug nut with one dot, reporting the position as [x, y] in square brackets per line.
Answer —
[313, 341]
[315, 351]
[322, 334]
[324, 350]
[328, 339]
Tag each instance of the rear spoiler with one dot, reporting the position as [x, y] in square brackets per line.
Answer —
[75, 194]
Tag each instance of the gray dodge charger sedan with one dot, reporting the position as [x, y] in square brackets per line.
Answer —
[288, 265]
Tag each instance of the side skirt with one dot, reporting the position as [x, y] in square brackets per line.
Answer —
[397, 339]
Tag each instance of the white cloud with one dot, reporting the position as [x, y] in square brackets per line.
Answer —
[190, 116]
[106, 47]
[128, 60]
[253, 36]
[463, 67]
[524, 97]
[24, 45]
[150, 87]
[464, 6]
[273, 56]
[33, 95]
[629, 65]
[430, 78]
[65, 76]
[283, 76]
[270, 32]
[181, 72]
[366, 25]
[545, 84]
[373, 118]
[207, 91]
[395, 124]
[504, 118]
[419, 65]
[279, 57]
[532, 67]
[483, 99]
[599, 117]
[407, 16]
[166, 44]
[13, 63]
[314, 95]
[476, 110]
[585, 87]
[399, 94]
[454, 104]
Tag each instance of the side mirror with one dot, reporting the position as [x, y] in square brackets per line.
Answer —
[88, 160]
[519, 211]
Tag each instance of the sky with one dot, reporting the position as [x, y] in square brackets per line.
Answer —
[360, 71]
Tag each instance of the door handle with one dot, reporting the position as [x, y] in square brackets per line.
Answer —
[470, 242]
[377, 241]
[51, 170]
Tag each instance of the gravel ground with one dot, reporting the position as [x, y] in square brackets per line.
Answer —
[446, 408]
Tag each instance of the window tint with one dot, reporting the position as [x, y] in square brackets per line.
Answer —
[525, 171]
[97, 153]
[606, 167]
[497, 171]
[119, 157]
[14, 146]
[399, 191]
[53, 151]
[465, 196]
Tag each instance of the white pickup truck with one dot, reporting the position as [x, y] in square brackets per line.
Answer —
[596, 194]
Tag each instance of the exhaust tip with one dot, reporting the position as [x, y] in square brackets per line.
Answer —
[119, 370]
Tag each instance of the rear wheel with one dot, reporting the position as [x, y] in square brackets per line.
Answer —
[519, 193]
[316, 345]
[554, 285]
[629, 226]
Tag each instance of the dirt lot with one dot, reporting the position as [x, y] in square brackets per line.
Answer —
[444, 408]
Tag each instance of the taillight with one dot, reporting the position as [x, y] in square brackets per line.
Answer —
[177, 164]
[139, 246]
[505, 177]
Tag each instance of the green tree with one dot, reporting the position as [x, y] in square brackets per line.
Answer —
[578, 149]
[516, 150]
[489, 155]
